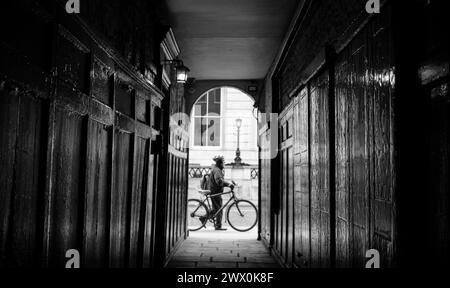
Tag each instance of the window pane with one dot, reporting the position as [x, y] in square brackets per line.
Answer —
[200, 132]
[217, 98]
[202, 99]
[214, 102]
[214, 131]
[207, 129]
[200, 107]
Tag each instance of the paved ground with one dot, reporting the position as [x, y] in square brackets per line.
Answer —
[228, 249]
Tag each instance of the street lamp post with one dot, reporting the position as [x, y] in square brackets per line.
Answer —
[238, 160]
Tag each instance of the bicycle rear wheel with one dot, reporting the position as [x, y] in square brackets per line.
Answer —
[242, 215]
[196, 212]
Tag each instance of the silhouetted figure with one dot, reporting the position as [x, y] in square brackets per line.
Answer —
[216, 184]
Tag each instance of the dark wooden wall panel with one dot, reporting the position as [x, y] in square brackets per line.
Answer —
[75, 144]
[388, 103]
[364, 146]
[9, 111]
[278, 219]
[265, 206]
[138, 183]
[97, 199]
[351, 153]
[173, 197]
[173, 229]
[178, 199]
[148, 219]
[119, 199]
[23, 128]
[25, 226]
[175, 193]
[69, 162]
[325, 22]
[358, 152]
[102, 80]
[439, 182]
[142, 109]
[363, 160]
[184, 198]
[290, 203]
[72, 61]
[343, 85]
[26, 233]
[382, 157]
[332, 208]
[302, 225]
[335, 226]
[284, 220]
[319, 161]
[169, 200]
[125, 94]
[301, 181]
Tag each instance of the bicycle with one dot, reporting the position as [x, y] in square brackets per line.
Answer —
[239, 209]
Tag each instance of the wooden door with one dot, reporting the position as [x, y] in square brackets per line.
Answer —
[285, 219]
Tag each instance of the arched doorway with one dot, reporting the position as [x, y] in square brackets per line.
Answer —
[213, 131]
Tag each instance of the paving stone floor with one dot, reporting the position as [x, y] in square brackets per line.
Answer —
[224, 249]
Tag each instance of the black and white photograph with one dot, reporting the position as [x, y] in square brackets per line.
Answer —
[224, 142]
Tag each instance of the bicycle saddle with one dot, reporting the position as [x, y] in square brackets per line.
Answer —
[204, 192]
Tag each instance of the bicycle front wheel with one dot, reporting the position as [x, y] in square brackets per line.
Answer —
[197, 214]
[242, 215]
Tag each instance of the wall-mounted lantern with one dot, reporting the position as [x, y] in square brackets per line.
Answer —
[181, 70]
[182, 73]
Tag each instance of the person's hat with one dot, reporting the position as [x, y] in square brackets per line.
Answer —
[219, 159]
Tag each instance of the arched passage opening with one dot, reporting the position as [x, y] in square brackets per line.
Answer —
[224, 122]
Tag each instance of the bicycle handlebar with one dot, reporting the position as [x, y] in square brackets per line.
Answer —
[209, 191]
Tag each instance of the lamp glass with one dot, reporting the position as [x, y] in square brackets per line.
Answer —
[238, 123]
[182, 74]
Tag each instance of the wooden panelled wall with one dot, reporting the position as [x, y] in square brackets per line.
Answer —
[439, 198]
[75, 151]
[265, 208]
[436, 83]
[174, 226]
[335, 197]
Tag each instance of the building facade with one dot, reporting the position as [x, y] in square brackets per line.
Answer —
[213, 132]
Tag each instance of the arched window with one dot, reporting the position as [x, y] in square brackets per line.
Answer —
[207, 119]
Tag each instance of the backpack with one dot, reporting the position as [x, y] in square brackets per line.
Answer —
[204, 183]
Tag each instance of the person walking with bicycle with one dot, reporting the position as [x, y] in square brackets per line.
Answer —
[216, 184]
[241, 215]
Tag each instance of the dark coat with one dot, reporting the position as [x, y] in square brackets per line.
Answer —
[217, 181]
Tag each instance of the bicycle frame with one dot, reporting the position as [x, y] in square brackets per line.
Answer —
[233, 198]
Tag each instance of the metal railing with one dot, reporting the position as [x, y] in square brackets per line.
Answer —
[199, 171]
